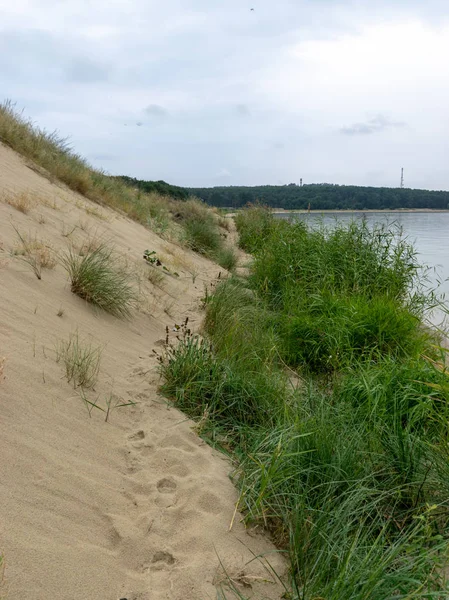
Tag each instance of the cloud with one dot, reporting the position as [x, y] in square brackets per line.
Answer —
[242, 110]
[223, 173]
[84, 70]
[155, 110]
[261, 92]
[376, 124]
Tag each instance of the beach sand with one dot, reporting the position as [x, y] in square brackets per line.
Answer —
[138, 507]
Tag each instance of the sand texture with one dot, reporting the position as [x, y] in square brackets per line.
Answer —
[138, 507]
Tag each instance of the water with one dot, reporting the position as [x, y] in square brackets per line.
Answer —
[427, 231]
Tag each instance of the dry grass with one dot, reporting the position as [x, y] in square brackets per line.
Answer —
[155, 276]
[81, 361]
[21, 202]
[36, 253]
[48, 202]
[224, 223]
[93, 242]
[53, 154]
[190, 222]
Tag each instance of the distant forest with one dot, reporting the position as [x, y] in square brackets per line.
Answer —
[161, 187]
[322, 196]
[316, 196]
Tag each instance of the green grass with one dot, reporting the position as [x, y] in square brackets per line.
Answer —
[226, 258]
[100, 280]
[254, 225]
[316, 374]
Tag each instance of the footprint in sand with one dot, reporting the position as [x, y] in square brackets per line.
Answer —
[161, 561]
[166, 486]
[139, 435]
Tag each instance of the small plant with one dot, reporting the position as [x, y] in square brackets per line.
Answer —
[155, 276]
[21, 202]
[151, 258]
[35, 253]
[111, 403]
[81, 361]
[97, 278]
[226, 258]
[66, 232]
[60, 312]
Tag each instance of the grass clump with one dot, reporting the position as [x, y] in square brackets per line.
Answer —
[200, 225]
[36, 253]
[99, 279]
[21, 202]
[254, 225]
[317, 375]
[81, 361]
[226, 258]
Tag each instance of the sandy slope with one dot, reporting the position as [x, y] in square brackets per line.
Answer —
[135, 508]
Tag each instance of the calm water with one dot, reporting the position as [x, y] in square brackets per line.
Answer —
[428, 232]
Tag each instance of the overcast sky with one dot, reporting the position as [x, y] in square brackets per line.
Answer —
[210, 92]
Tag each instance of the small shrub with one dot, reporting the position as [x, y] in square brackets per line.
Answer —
[97, 278]
[81, 361]
[226, 258]
[35, 253]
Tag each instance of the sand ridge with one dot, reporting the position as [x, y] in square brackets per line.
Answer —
[136, 508]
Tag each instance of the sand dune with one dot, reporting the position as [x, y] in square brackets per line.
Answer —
[138, 507]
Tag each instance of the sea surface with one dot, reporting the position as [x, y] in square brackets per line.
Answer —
[427, 231]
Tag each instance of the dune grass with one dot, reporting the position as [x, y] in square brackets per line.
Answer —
[81, 361]
[59, 162]
[97, 277]
[191, 222]
[343, 458]
[38, 254]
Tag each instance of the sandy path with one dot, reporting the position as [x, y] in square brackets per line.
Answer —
[136, 508]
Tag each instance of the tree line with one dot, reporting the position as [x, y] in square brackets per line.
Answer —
[160, 187]
[322, 196]
[315, 196]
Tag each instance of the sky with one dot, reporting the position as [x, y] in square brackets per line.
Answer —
[238, 92]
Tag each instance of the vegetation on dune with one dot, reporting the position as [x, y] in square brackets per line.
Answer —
[159, 187]
[98, 278]
[81, 361]
[156, 205]
[316, 373]
[323, 196]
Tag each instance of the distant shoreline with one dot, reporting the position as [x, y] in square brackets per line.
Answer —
[331, 211]
[281, 211]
